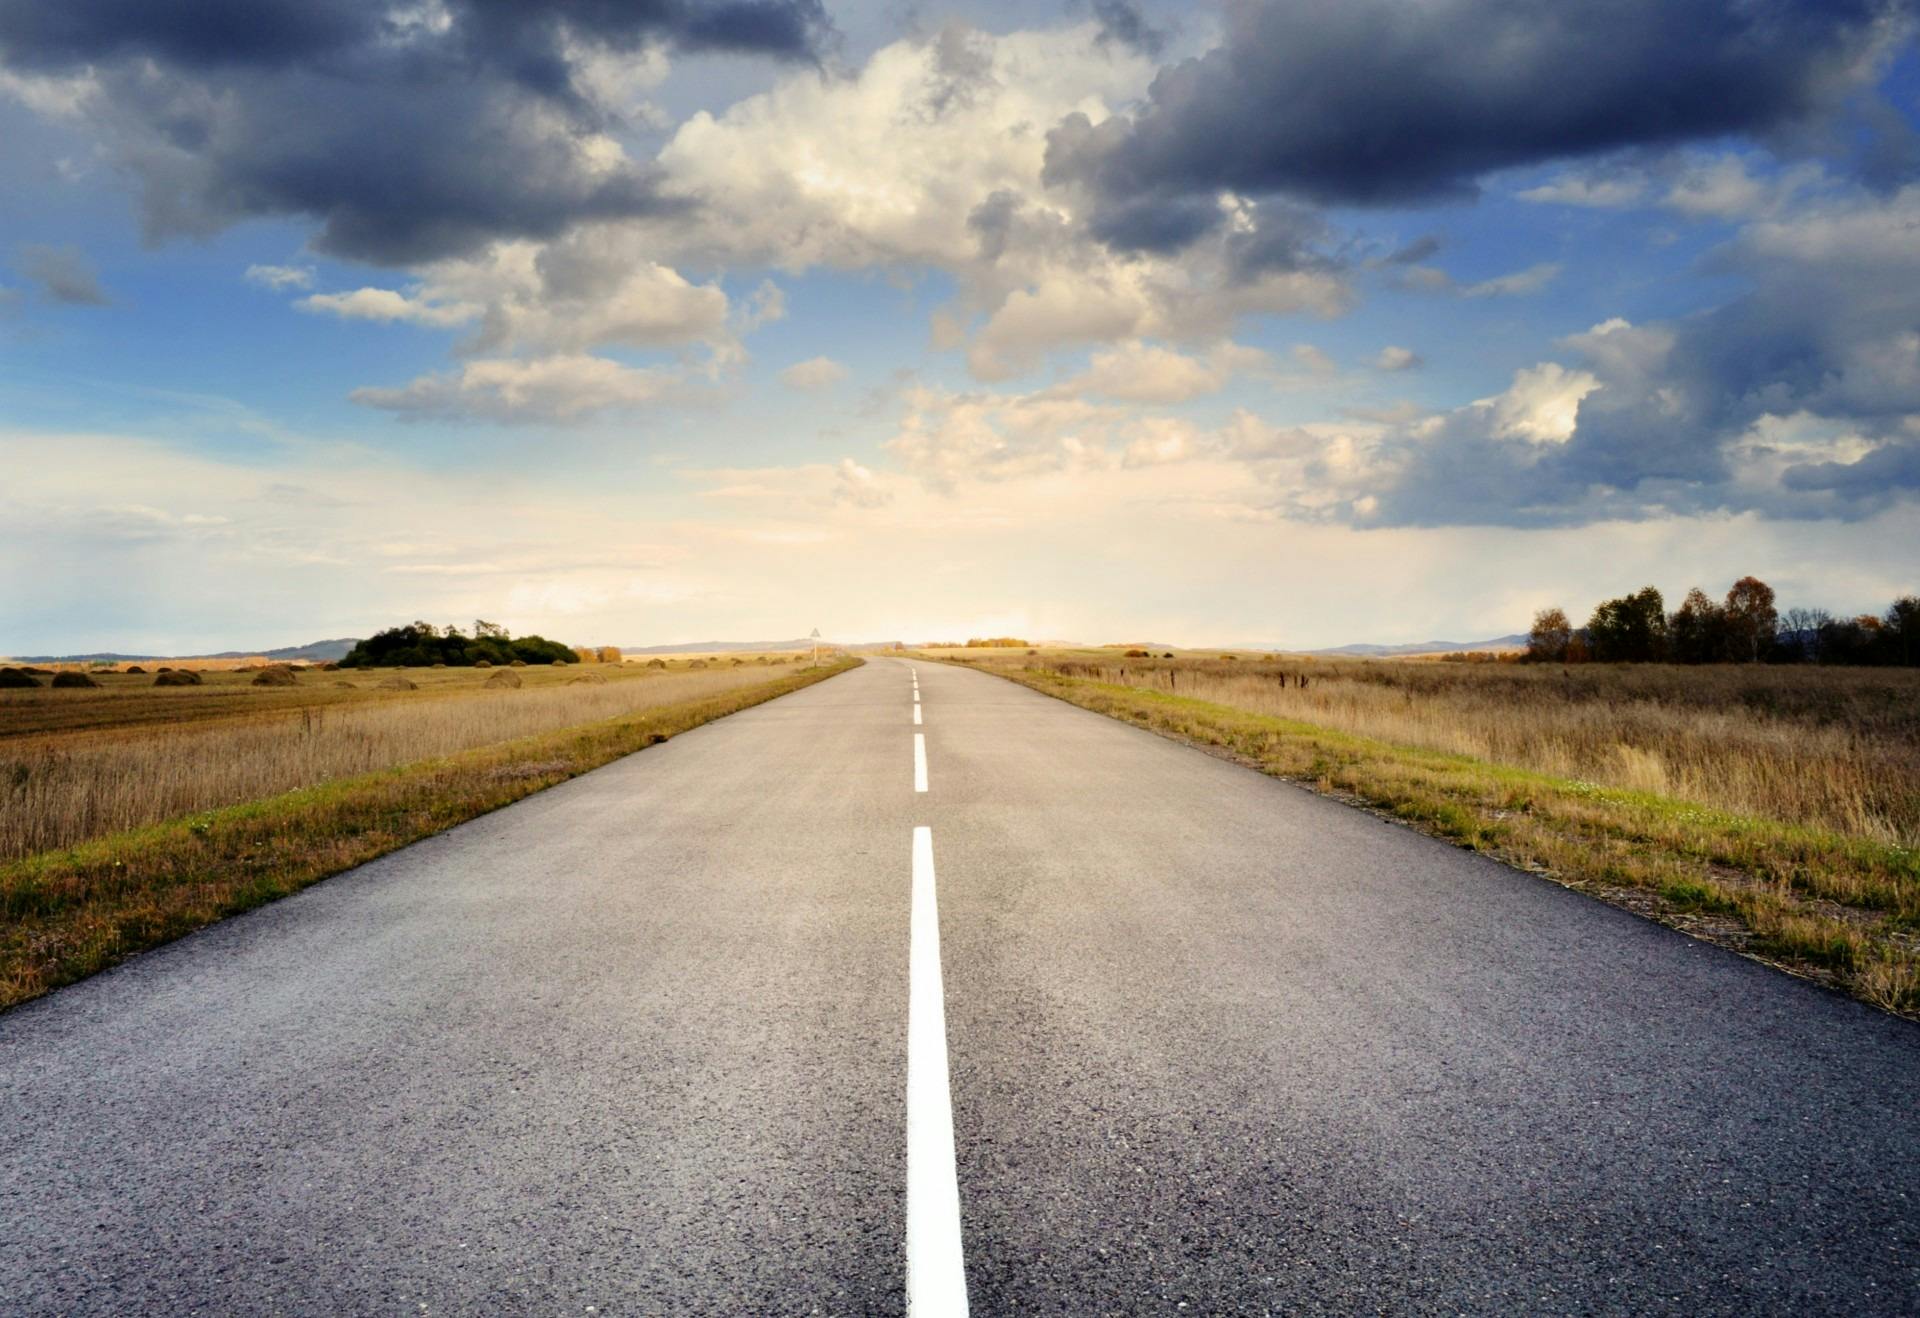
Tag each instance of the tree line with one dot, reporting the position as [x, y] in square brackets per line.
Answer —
[1744, 628]
[422, 645]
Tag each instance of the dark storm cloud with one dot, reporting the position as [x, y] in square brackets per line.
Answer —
[409, 134]
[1122, 22]
[1375, 102]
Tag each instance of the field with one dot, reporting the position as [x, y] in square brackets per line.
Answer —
[1772, 809]
[130, 813]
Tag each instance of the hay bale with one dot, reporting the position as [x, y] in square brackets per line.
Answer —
[176, 677]
[656, 663]
[441, 665]
[503, 678]
[134, 668]
[17, 679]
[72, 679]
[737, 663]
[483, 663]
[518, 663]
[31, 671]
[347, 685]
[330, 667]
[591, 679]
[397, 683]
[274, 675]
[698, 663]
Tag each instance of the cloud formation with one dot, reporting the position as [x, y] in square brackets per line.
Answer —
[1798, 399]
[546, 390]
[407, 133]
[813, 375]
[1378, 102]
[63, 273]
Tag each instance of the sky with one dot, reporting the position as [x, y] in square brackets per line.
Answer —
[642, 322]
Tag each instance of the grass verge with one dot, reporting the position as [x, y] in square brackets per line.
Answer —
[1844, 911]
[65, 915]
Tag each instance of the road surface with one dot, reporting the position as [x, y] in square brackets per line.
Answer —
[641, 1044]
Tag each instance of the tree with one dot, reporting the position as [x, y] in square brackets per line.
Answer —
[1548, 640]
[1900, 631]
[1750, 620]
[1631, 629]
[1697, 631]
[1800, 634]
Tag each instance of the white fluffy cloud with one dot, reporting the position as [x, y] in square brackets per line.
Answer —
[1541, 405]
[384, 304]
[545, 389]
[931, 156]
[1135, 372]
[813, 375]
[280, 278]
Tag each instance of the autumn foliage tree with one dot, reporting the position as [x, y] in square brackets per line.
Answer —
[1550, 636]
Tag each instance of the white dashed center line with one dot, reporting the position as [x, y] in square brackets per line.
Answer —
[919, 761]
[916, 716]
[936, 1270]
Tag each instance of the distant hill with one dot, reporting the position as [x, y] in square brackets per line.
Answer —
[711, 647]
[718, 647]
[312, 652]
[1517, 642]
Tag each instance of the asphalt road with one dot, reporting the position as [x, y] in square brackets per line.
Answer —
[639, 1044]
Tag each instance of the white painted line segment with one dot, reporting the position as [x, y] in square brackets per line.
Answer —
[936, 1268]
[919, 761]
[916, 695]
[916, 716]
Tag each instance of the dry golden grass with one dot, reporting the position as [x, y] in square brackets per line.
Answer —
[102, 776]
[1833, 748]
[65, 914]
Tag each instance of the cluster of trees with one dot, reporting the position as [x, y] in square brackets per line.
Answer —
[597, 654]
[422, 645]
[996, 643]
[1742, 629]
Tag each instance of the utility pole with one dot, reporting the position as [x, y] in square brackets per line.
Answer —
[815, 638]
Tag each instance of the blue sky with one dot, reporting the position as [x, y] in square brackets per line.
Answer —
[1289, 324]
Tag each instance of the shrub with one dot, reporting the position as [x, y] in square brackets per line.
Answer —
[422, 645]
